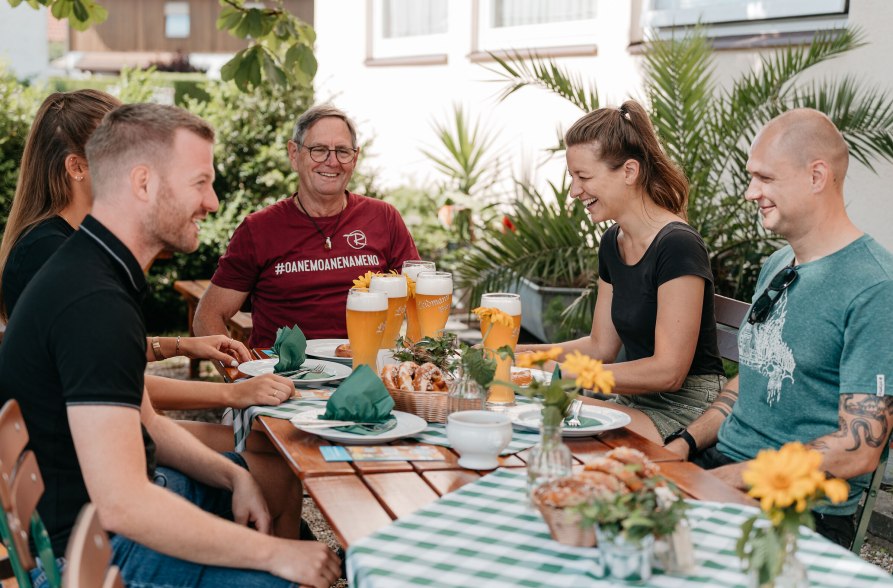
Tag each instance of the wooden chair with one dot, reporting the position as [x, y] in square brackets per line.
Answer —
[88, 555]
[21, 487]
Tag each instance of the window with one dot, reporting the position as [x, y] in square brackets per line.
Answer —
[405, 28]
[531, 24]
[176, 20]
[668, 13]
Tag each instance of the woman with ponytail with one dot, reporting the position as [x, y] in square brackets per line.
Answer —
[655, 287]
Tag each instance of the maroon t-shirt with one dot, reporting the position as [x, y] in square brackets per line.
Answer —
[279, 257]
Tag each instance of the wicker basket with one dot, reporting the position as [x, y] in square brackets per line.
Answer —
[431, 406]
[564, 525]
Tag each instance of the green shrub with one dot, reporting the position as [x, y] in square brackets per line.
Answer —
[20, 103]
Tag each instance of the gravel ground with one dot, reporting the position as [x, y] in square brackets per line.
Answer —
[878, 551]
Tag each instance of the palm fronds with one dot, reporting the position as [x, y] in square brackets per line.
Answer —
[466, 146]
[525, 69]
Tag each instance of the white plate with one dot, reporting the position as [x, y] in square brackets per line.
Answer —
[539, 375]
[259, 367]
[325, 349]
[529, 416]
[407, 425]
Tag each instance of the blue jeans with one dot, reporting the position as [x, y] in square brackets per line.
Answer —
[145, 568]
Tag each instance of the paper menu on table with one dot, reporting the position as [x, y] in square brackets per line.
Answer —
[381, 453]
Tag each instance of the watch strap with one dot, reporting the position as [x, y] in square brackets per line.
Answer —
[686, 436]
[156, 349]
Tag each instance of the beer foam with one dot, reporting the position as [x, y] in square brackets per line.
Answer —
[511, 305]
[393, 286]
[367, 301]
[435, 285]
[412, 271]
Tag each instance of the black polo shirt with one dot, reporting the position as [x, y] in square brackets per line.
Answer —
[78, 337]
[28, 255]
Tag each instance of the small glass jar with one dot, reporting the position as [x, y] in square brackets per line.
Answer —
[550, 459]
[465, 394]
[625, 560]
[674, 553]
[792, 574]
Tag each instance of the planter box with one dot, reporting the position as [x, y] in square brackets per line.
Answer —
[541, 307]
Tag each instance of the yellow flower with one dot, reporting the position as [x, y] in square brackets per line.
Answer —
[410, 287]
[590, 372]
[836, 490]
[530, 359]
[364, 280]
[788, 476]
[496, 316]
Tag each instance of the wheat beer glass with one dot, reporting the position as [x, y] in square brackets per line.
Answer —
[395, 289]
[496, 336]
[366, 317]
[411, 269]
[433, 299]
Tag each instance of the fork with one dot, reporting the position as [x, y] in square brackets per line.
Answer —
[317, 369]
[574, 420]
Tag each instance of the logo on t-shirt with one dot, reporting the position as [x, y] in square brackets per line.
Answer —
[356, 239]
[763, 348]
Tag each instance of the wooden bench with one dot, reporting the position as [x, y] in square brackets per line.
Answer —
[239, 325]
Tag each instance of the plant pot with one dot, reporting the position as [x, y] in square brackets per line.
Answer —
[542, 306]
[565, 526]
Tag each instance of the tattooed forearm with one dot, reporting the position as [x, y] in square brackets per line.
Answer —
[724, 402]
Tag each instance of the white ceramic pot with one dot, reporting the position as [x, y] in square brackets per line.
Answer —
[478, 436]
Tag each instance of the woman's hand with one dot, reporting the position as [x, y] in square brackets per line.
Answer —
[215, 347]
[268, 389]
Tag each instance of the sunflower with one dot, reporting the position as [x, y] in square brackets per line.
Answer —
[590, 372]
[364, 280]
[496, 316]
[410, 287]
[788, 476]
[836, 490]
[528, 360]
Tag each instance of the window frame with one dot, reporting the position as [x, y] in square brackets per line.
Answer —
[738, 13]
[380, 48]
[492, 39]
[170, 12]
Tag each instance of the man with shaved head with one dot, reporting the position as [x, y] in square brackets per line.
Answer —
[815, 349]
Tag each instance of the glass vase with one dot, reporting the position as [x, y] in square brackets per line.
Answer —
[625, 559]
[792, 574]
[465, 394]
[675, 553]
[550, 459]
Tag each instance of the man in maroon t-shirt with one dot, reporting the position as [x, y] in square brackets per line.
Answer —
[298, 257]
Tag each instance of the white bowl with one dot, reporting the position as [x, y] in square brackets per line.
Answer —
[478, 436]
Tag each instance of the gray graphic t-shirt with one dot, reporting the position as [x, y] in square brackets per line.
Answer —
[829, 333]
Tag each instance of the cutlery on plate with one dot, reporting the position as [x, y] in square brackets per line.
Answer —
[574, 420]
[318, 424]
[317, 369]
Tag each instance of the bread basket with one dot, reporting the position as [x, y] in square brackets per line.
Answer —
[431, 406]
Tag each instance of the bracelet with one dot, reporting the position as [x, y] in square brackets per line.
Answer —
[177, 351]
[156, 349]
[686, 436]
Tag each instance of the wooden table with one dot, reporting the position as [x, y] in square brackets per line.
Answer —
[239, 325]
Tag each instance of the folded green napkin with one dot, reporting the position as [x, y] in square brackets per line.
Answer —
[363, 398]
[556, 373]
[290, 346]
[584, 422]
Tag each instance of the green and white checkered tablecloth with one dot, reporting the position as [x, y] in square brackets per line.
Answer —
[434, 434]
[486, 534]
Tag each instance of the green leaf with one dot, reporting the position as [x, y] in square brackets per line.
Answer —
[300, 61]
[272, 70]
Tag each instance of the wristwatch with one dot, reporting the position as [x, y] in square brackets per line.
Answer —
[156, 349]
[683, 433]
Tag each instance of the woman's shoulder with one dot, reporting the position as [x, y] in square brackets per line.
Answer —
[678, 234]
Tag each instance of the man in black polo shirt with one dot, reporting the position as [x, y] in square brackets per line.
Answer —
[74, 356]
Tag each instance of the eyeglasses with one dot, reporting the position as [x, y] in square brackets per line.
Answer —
[319, 153]
[760, 310]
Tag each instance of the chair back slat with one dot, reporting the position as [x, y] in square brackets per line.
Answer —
[729, 315]
[13, 439]
[88, 554]
[27, 488]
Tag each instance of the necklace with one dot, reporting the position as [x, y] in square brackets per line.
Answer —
[328, 243]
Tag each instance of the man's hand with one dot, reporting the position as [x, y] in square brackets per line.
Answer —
[249, 506]
[268, 389]
[215, 347]
[308, 563]
[731, 474]
[679, 447]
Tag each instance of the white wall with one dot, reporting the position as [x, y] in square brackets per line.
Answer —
[23, 39]
[395, 105]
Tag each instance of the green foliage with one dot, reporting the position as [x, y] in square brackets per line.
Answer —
[281, 49]
[441, 350]
[419, 211]
[707, 130]
[478, 363]
[762, 548]
[81, 14]
[20, 103]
